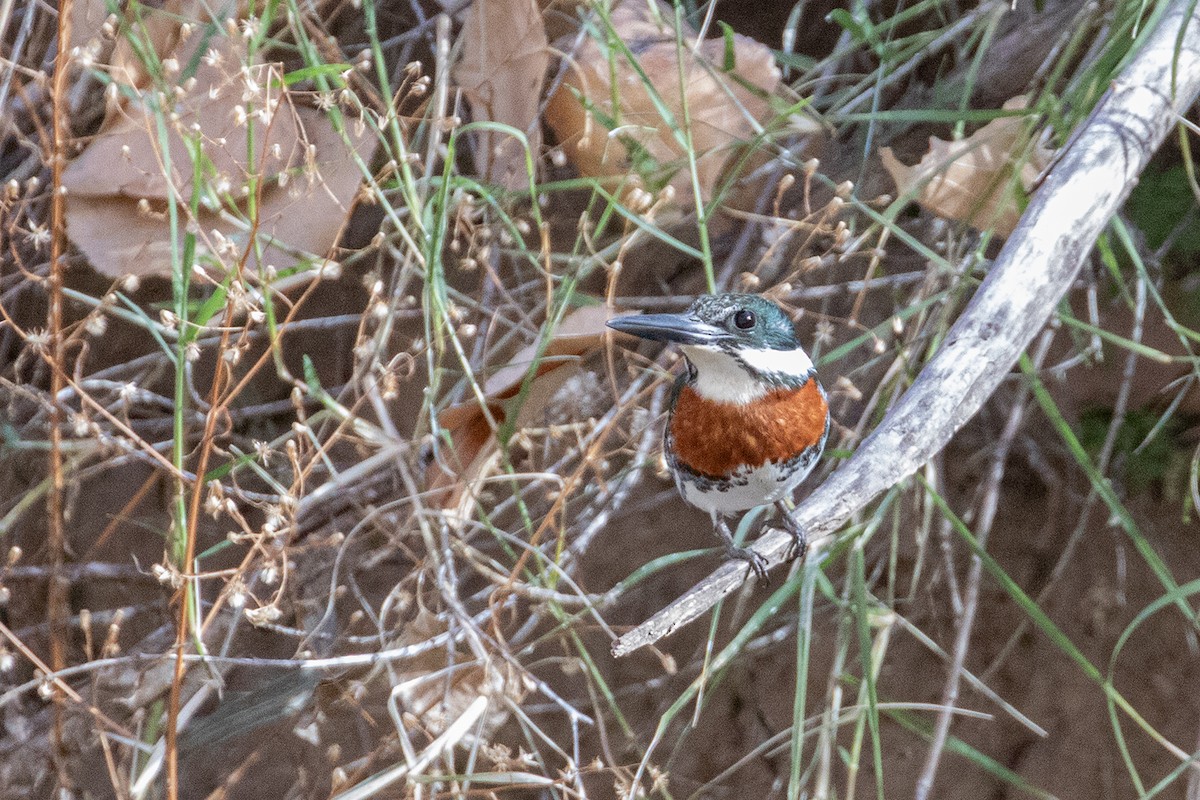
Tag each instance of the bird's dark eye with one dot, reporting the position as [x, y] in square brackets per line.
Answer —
[744, 319]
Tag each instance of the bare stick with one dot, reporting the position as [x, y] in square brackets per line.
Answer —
[1095, 174]
[970, 604]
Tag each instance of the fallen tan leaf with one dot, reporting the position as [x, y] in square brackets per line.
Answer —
[503, 66]
[127, 160]
[978, 180]
[475, 448]
[118, 187]
[87, 16]
[579, 331]
[726, 109]
[299, 222]
[157, 29]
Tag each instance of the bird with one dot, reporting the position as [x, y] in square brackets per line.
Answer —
[748, 417]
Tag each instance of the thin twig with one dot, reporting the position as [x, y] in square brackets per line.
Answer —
[966, 620]
[1091, 502]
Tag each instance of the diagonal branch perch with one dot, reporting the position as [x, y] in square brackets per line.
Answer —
[1040, 260]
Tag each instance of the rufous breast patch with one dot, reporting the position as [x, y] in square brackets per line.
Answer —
[716, 439]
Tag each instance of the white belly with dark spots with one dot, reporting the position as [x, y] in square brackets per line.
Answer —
[749, 488]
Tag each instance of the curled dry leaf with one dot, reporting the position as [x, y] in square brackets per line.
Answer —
[475, 448]
[503, 66]
[979, 179]
[726, 108]
[126, 160]
[119, 186]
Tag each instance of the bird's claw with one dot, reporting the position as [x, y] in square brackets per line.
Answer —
[756, 560]
[799, 546]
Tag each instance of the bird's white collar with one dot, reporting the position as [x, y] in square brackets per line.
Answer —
[722, 378]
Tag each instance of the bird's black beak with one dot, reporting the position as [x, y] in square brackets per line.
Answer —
[678, 328]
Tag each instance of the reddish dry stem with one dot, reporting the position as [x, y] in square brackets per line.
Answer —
[56, 601]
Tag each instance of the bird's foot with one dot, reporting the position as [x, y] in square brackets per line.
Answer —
[756, 560]
[799, 546]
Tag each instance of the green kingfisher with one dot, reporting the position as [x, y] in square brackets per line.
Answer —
[748, 418]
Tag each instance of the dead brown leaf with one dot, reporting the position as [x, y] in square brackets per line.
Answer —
[126, 159]
[156, 29]
[475, 446]
[505, 55]
[726, 108]
[978, 180]
[119, 186]
[87, 17]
